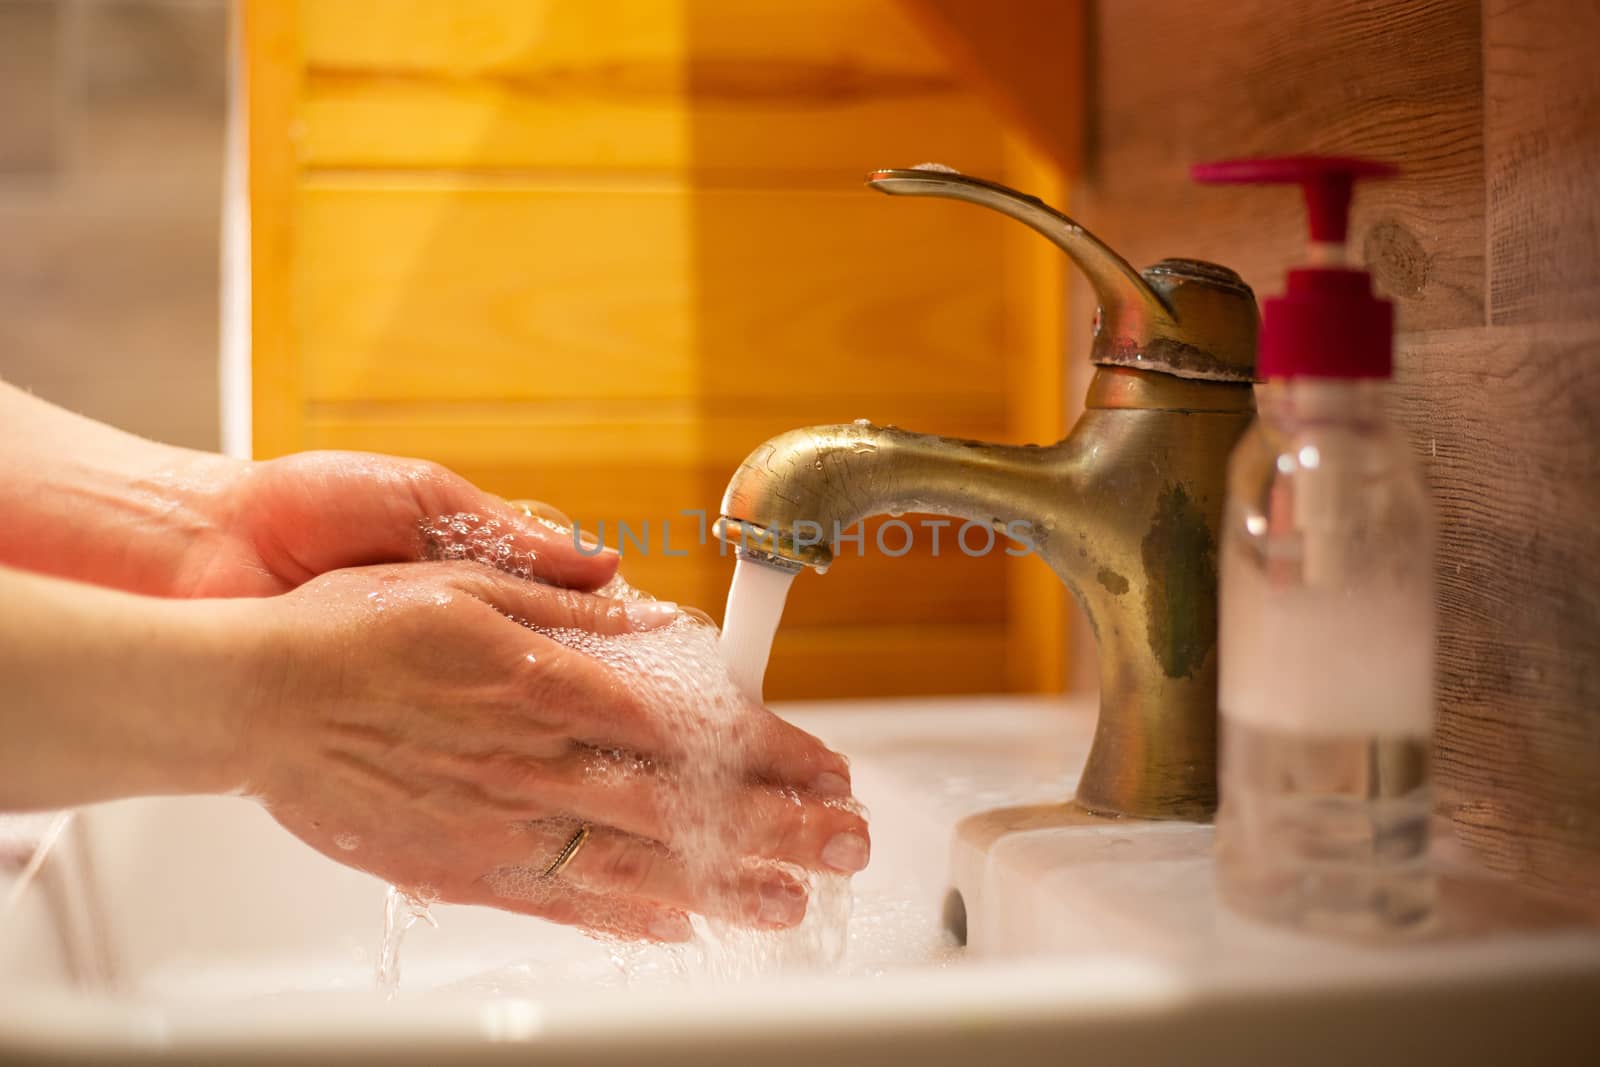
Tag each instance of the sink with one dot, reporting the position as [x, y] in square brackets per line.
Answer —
[196, 929]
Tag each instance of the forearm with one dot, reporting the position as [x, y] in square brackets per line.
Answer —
[106, 694]
[86, 501]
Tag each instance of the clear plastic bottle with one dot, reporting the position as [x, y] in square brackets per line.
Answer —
[1326, 645]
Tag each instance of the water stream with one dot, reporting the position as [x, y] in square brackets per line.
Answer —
[755, 607]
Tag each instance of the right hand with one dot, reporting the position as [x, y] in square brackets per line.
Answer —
[407, 726]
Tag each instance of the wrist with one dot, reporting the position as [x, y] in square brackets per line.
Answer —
[129, 514]
[206, 709]
[86, 501]
[113, 695]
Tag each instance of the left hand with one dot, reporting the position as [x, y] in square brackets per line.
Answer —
[278, 523]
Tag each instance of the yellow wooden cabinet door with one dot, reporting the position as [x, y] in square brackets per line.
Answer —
[595, 253]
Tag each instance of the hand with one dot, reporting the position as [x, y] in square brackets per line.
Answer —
[90, 503]
[407, 726]
[280, 522]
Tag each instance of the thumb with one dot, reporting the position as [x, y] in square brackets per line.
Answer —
[562, 609]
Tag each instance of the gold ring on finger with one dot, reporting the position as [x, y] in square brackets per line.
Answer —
[568, 851]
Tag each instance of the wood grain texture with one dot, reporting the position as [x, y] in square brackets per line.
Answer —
[612, 434]
[272, 77]
[1025, 57]
[644, 85]
[1493, 116]
[888, 661]
[622, 295]
[1505, 422]
[1542, 131]
[1181, 83]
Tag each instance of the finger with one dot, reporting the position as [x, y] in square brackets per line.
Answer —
[582, 699]
[595, 707]
[781, 753]
[524, 890]
[532, 545]
[612, 864]
[534, 604]
[759, 821]
[615, 863]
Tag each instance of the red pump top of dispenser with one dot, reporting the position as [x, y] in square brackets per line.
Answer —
[1328, 323]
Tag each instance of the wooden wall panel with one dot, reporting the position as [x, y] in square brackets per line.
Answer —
[1494, 112]
[1542, 132]
[643, 85]
[1508, 423]
[904, 661]
[563, 293]
[607, 434]
[1181, 83]
[271, 74]
[595, 253]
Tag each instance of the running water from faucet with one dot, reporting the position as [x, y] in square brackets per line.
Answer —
[755, 606]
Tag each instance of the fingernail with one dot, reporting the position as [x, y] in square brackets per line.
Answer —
[548, 514]
[648, 614]
[829, 784]
[670, 927]
[782, 903]
[845, 852]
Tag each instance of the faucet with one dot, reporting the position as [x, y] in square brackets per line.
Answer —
[1124, 509]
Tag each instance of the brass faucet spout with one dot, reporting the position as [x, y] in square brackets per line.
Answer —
[1125, 509]
[794, 495]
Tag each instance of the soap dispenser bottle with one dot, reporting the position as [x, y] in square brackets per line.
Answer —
[1326, 643]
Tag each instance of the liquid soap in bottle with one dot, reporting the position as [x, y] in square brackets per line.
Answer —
[1326, 646]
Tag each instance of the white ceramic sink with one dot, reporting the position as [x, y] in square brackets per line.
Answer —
[196, 930]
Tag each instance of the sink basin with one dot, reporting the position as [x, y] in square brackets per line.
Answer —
[196, 929]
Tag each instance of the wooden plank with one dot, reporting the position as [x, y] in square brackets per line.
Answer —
[714, 86]
[1179, 83]
[483, 38]
[495, 293]
[1505, 421]
[878, 662]
[271, 75]
[1542, 138]
[601, 434]
[1026, 58]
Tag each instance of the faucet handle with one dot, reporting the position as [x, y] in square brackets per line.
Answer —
[1184, 317]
